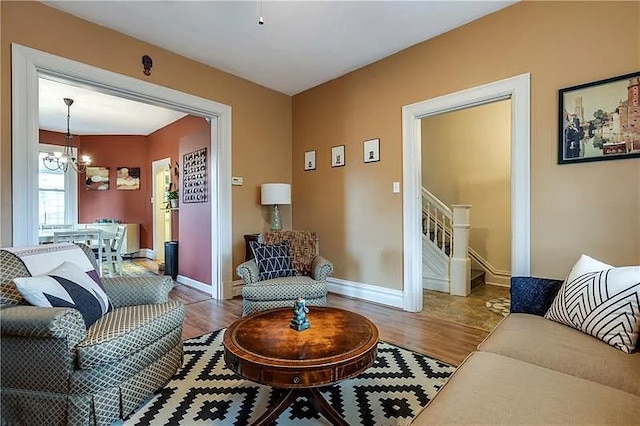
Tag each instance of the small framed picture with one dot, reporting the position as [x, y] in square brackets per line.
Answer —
[371, 150]
[310, 160]
[337, 156]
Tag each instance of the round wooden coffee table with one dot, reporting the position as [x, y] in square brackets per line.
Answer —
[264, 349]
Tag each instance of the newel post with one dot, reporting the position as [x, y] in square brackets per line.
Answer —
[460, 261]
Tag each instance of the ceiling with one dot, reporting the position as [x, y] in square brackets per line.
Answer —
[94, 113]
[302, 43]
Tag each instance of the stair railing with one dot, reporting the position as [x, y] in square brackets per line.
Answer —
[449, 227]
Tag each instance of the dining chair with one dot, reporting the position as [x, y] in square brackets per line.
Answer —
[112, 257]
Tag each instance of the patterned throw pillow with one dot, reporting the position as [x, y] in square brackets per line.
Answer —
[602, 301]
[67, 286]
[273, 260]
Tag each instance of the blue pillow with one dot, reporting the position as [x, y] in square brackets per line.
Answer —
[530, 295]
[274, 260]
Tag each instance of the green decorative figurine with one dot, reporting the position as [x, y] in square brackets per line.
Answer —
[299, 321]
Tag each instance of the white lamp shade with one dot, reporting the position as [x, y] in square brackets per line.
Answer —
[276, 193]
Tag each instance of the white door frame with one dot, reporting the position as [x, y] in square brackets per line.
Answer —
[28, 64]
[155, 166]
[518, 90]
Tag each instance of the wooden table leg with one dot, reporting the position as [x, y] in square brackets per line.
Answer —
[276, 408]
[315, 397]
[326, 409]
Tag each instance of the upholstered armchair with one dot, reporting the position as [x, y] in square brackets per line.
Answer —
[307, 277]
[57, 371]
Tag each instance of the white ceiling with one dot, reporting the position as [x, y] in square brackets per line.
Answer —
[94, 113]
[302, 43]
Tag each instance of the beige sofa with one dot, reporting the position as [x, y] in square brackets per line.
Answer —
[531, 370]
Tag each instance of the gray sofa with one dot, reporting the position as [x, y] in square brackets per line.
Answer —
[55, 371]
[531, 370]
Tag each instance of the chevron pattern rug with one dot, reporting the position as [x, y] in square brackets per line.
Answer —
[391, 392]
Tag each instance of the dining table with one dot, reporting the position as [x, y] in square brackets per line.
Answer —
[96, 238]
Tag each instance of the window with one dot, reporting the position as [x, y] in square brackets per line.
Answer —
[57, 192]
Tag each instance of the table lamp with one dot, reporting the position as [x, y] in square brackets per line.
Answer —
[275, 194]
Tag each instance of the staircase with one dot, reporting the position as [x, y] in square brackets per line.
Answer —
[446, 265]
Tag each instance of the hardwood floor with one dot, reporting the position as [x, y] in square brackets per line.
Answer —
[446, 341]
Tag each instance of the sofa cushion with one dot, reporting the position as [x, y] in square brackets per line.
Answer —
[531, 295]
[286, 288]
[493, 389]
[304, 246]
[66, 286]
[601, 301]
[274, 260]
[545, 343]
[126, 330]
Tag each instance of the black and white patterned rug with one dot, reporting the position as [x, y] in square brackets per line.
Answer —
[204, 392]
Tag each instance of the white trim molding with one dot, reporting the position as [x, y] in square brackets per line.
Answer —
[189, 282]
[237, 287]
[518, 90]
[146, 253]
[29, 64]
[368, 292]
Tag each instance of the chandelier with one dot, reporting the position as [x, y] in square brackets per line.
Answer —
[62, 160]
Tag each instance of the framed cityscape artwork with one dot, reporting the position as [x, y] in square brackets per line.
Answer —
[600, 120]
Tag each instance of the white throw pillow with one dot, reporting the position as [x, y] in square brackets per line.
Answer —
[66, 286]
[600, 300]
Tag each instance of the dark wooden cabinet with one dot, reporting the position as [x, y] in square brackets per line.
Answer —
[248, 253]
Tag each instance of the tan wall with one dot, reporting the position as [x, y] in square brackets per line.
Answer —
[575, 208]
[261, 117]
[466, 160]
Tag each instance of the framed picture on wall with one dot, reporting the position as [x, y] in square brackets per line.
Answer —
[337, 156]
[97, 178]
[371, 150]
[310, 160]
[600, 120]
[128, 178]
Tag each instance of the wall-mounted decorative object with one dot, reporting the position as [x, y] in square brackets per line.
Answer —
[194, 176]
[97, 178]
[600, 120]
[371, 150]
[128, 178]
[337, 156]
[310, 160]
[147, 63]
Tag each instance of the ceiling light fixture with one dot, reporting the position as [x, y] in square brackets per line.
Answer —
[260, 19]
[62, 160]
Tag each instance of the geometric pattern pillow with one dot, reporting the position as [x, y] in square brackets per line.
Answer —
[601, 301]
[67, 286]
[273, 260]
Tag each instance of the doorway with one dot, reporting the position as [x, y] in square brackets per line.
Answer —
[518, 90]
[28, 64]
[162, 215]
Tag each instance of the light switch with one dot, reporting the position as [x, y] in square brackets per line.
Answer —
[236, 180]
[396, 187]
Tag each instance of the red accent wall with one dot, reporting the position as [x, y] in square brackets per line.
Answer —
[195, 218]
[127, 206]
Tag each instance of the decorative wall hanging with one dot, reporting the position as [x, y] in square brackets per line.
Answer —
[371, 150]
[147, 63]
[97, 178]
[310, 160]
[128, 178]
[337, 156]
[600, 120]
[194, 176]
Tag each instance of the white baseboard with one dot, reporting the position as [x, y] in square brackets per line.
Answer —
[435, 283]
[237, 287]
[195, 284]
[371, 293]
[145, 252]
